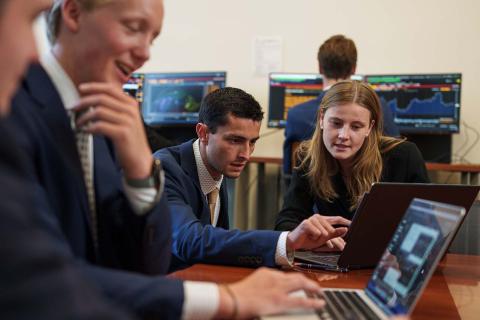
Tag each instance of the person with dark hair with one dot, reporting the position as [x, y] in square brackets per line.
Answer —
[337, 61]
[347, 153]
[195, 184]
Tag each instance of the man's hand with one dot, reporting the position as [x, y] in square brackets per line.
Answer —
[107, 110]
[268, 292]
[315, 232]
[333, 245]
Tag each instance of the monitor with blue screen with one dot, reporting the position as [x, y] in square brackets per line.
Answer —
[134, 87]
[421, 103]
[174, 98]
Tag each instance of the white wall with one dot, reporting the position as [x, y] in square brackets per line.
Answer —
[407, 36]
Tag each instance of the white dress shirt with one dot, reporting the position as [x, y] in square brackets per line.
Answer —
[201, 299]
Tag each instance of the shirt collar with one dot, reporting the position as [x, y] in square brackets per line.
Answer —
[207, 183]
[62, 82]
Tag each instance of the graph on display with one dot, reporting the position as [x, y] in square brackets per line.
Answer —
[426, 103]
[287, 90]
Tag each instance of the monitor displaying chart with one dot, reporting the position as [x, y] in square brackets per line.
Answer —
[421, 103]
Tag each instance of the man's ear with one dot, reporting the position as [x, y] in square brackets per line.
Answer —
[71, 12]
[202, 132]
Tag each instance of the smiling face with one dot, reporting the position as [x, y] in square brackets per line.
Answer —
[345, 128]
[17, 43]
[110, 41]
[228, 150]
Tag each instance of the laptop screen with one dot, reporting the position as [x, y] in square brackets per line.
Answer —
[412, 255]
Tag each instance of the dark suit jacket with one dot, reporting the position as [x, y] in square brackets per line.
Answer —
[45, 135]
[301, 122]
[38, 279]
[195, 240]
[403, 163]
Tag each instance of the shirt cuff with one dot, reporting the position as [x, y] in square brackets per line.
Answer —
[201, 300]
[283, 257]
[141, 199]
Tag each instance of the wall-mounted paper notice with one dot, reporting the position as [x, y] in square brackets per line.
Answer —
[267, 55]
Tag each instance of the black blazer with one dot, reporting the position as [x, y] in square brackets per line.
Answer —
[403, 163]
[53, 166]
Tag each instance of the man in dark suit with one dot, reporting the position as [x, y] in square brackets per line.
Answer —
[76, 93]
[229, 125]
[38, 279]
[337, 61]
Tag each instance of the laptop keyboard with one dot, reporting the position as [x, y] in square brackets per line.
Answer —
[315, 257]
[332, 260]
[345, 305]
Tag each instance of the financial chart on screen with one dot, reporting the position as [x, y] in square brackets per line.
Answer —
[288, 90]
[421, 103]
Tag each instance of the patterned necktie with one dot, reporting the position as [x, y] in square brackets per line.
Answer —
[84, 143]
[212, 198]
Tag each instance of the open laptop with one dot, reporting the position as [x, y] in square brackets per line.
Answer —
[407, 264]
[377, 217]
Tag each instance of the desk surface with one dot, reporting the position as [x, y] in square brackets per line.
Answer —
[453, 292]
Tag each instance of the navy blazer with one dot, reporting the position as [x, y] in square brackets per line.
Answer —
[301, 123]
[45, 135]
[38, 280]
[195, 240]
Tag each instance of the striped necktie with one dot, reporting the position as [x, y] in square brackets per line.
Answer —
[84, 143]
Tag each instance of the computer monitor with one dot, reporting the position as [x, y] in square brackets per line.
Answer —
[134, 87]
[421, 103]
[289, 89]
[173, 98]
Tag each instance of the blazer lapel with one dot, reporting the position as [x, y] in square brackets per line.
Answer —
[50, 108]
[189, 165]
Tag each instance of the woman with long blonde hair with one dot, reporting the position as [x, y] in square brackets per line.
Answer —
[346, 154]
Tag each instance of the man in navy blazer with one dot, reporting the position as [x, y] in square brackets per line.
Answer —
[95, 49]
[337, 60]
[38, 278]
[229, 125]
[122, 162]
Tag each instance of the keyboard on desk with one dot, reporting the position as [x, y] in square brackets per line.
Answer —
[345, 305]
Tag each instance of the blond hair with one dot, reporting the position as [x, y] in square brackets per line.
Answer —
[367, 164]
[53, 16]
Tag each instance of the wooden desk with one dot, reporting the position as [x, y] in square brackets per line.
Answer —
[469, 173]
[453, 291]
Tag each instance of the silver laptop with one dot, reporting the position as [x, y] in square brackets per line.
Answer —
[407, 264]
